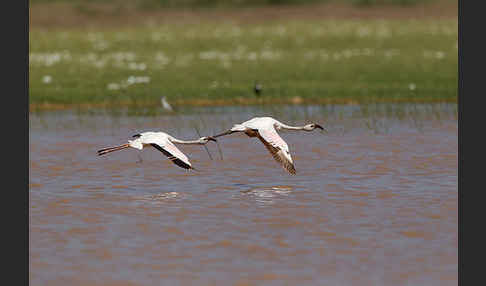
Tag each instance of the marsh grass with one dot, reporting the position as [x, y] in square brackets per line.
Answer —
[331, 61]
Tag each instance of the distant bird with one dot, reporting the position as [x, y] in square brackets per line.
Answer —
[165, 104]
[162, 142]
[257, 89]
[265, 129]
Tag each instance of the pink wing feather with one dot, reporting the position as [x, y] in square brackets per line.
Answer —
[277, 147]
[169, 146]
[172, 152]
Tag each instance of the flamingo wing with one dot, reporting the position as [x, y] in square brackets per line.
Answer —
[278, 148]
[173, 153]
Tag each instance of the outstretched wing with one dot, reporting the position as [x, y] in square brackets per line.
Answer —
[173, 153]
[278, 148]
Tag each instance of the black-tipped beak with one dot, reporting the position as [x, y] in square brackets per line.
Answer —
[320, 127]
[211, 139]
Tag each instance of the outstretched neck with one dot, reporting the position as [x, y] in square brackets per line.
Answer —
[175, 140]
[280, 125]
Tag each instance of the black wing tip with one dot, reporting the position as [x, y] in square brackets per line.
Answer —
[290, 168]
[172, 158]
[136, 136]
[181, 164]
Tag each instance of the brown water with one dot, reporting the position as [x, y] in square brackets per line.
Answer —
[374, 201]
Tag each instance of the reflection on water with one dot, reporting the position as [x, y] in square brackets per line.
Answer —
[159, 198]
[374, 201]
[265, 195]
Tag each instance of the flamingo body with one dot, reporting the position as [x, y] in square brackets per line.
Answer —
[265, 129]
[161, 141]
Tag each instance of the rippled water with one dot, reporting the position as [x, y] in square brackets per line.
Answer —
[374, 201]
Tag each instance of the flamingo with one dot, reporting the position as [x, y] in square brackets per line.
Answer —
[162, 142]
[265, 129]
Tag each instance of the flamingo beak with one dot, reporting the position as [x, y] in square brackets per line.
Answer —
[211, 139]
[322, 128]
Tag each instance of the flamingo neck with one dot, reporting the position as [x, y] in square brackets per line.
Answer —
[174, 140]
[288, 127]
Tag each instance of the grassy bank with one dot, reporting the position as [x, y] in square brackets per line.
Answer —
[208, 62]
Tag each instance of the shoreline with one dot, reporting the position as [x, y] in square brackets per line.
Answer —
[33, 107]
[240, 52]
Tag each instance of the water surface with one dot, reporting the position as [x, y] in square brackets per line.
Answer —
[374, 201]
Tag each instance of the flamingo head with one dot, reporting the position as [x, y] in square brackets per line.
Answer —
[312, 126]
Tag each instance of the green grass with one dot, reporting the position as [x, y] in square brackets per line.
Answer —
[210, 63]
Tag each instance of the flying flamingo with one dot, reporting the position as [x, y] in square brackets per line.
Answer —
[265, 129]
[162, 142]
